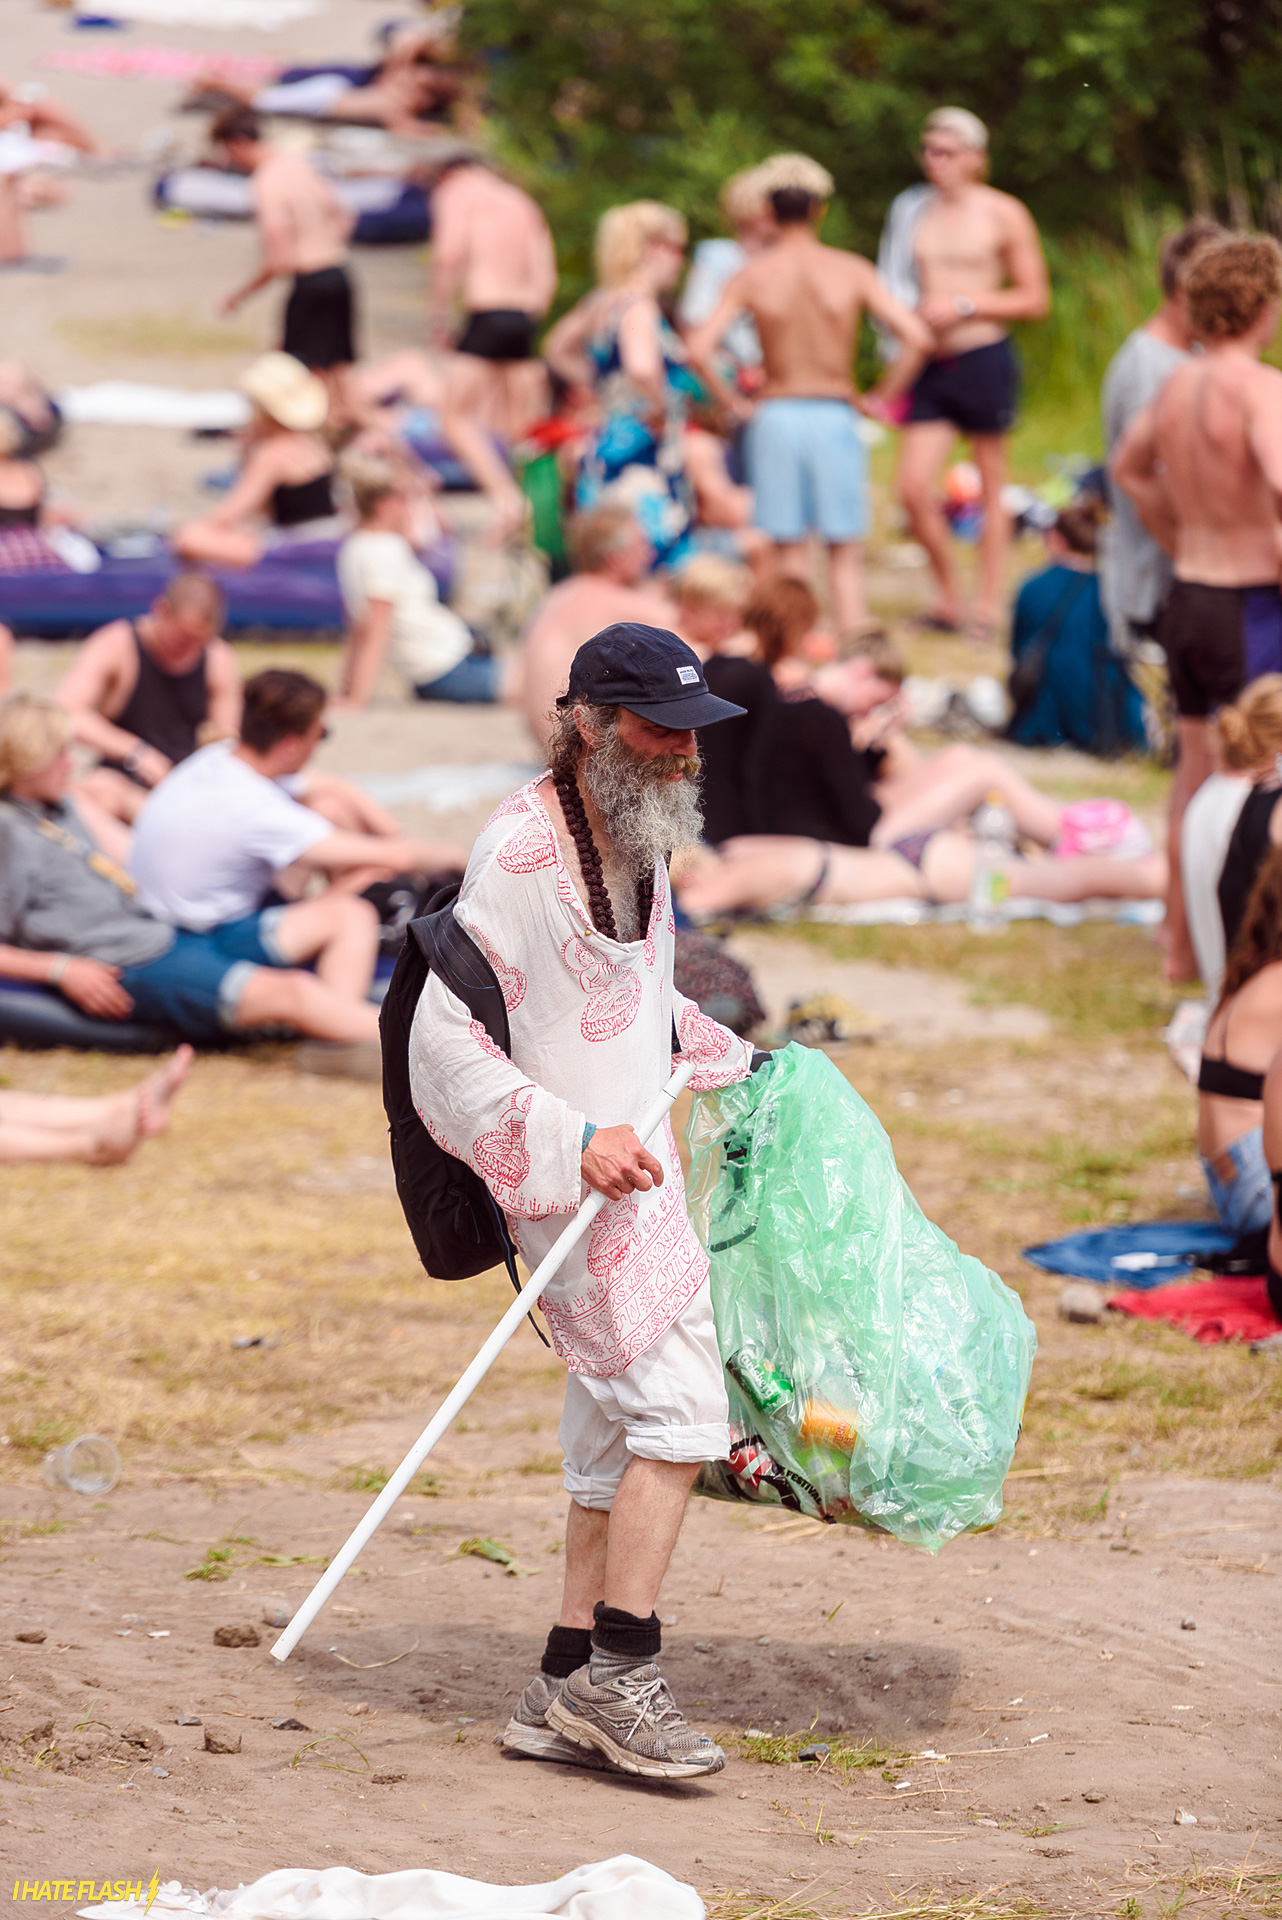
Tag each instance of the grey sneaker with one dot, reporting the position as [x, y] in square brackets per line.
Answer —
[528, 1731]
[634, 1721]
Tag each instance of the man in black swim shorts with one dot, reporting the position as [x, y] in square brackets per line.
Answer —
[1203, 468]
[969, 258]
[304, 230]
[492, 258]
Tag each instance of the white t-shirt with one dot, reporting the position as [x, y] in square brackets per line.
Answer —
[427, 639]
[212, 837]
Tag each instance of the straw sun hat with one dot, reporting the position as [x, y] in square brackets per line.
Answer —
[286, 391]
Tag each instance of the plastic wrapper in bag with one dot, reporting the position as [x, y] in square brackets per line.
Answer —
[876, 1374]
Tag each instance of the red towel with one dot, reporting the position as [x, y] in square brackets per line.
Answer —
[1211, 1310]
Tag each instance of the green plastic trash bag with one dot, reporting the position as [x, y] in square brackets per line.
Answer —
[876, 1375]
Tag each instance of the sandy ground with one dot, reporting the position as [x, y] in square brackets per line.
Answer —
[1061, 1700]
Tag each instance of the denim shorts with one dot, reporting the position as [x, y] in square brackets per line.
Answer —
[198, 985]
[808, 466]
[1244, 1203]
[473, 682]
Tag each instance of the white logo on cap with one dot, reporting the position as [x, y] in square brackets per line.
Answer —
[688, 676]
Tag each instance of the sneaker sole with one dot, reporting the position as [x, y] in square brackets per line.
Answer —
[542, 1743]
[583, 1734]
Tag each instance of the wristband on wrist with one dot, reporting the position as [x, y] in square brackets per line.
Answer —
[588, 1131]
[963, 306]
[58, 971]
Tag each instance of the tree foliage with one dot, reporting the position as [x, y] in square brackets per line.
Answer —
[1088, 102]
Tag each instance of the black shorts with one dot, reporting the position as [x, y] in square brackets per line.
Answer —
[1217, 640]
[977, 391]
[319, 316]
[500, 333]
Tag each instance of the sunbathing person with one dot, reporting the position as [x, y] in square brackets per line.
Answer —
[101, 1131]
[145, 693]
[1243, 1038]
[70, 919]
[284, 493]
[760, 871]
[611, 558]
[36, 131]
[213, 838]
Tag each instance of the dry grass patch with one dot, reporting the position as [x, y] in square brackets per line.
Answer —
[268, 1213]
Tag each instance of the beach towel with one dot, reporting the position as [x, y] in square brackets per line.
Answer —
[266, 16]
[1145, 1254]
[165, 64]
[134, 403]
[1209, 1310]
[624, 1888]
[292, 589]
[389, 210]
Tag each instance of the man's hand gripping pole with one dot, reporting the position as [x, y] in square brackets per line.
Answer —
[528, 1297]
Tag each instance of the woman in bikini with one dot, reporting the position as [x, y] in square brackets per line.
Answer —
[617, 346]
[1244, 1036]
[285, 489]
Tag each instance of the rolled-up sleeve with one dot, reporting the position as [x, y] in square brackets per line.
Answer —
[524, 1142]
[720, 1056]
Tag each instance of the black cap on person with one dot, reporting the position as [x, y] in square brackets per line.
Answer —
[649, 671]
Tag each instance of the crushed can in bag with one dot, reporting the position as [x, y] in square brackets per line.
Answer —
[876, 1375]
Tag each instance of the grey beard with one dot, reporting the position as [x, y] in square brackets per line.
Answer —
[645, 817]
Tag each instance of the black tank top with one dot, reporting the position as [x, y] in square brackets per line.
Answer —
[166, 709]
[313, 500]
[1248, 845]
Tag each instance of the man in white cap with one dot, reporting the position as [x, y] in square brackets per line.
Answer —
[968, 258]
[807, 462]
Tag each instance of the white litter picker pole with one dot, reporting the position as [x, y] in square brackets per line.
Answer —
[455, 1401]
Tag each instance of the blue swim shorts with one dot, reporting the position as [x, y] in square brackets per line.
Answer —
[808, 468]
[198, 985]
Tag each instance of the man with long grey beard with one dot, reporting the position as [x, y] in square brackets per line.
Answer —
[567, 893]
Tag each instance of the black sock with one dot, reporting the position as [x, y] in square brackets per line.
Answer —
[568, 1649]
[621, 1639]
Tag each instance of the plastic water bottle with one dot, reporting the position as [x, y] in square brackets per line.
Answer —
[994, 829]
[89, 1465]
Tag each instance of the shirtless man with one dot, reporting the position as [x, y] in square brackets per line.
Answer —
[304, 230]
[1203, 466]
[145, 693]
[492, 256]
[979, 265]
[807, 462]
[611, 557]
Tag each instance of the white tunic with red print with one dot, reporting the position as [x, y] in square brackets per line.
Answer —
[590, 1021]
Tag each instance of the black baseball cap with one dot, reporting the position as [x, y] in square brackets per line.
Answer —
[649, 671]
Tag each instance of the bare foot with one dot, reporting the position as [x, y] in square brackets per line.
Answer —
[118, 1130]
[158, 1092]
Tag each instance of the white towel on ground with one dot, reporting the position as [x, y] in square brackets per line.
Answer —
[624, 1888]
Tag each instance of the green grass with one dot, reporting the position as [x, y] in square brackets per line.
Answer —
[1094, 980]
[844, 1756]
[372, 1480]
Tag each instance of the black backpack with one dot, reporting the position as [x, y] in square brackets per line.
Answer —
[456, 1223]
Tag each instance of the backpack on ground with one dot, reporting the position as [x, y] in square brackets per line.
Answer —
[456, 1224]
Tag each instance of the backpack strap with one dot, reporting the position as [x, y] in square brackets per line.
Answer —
[456, 960]
[1029, 667]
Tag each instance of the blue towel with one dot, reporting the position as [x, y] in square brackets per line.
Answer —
[1148, 1253]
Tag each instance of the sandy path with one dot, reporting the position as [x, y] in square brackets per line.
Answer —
[1045, 1669]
